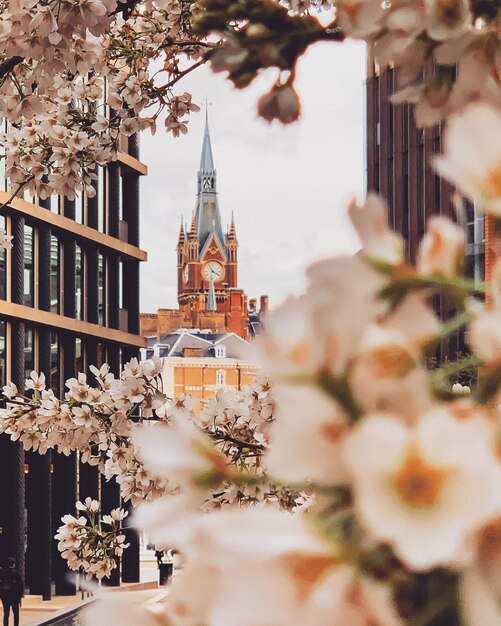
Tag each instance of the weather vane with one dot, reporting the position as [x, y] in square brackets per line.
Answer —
[207, 105]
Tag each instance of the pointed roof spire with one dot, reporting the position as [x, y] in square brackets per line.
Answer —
[211, 296]
[206, 160]
[193, 229]
[182, 234]
[232, 234]
[207, 216]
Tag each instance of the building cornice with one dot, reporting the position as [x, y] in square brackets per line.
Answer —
[209, 362]
[65, 224]
[61, 322]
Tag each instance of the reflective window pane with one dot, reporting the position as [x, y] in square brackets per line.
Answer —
[29, 351]
[54, 204]
[79, 363]
[3, 269]
[54, 364]
[79, 207]
[3, 353]
[54, 274]
[78, 283]
[3, 180]
[29, 284]
[101, 196]
[101, 290]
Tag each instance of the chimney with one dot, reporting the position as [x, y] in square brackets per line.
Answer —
[252, 305]
[264, 305]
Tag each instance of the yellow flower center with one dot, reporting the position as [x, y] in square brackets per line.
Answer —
[418, 483]
[333, 432]
[449, 11]
[391, 361]
[306, 571]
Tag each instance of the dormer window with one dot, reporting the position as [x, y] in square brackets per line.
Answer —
[220, 352]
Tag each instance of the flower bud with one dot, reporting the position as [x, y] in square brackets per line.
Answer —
[281, 103]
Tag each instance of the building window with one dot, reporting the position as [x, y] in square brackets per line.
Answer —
[120, 285]
[29, 351]
[79, 362]
[220, 377]
[54, 274]
[3, 353]
[101, 290]
[54, 363]
[100, 355]
[3, 180]
[29, 275]
[220, 352]
[101, 196]
[54, 203]
[79, 207]
[78, 283]
[3, 262]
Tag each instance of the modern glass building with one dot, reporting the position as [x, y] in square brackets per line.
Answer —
[69, 298]
[398, 163]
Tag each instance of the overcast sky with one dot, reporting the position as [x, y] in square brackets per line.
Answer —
[288, 186]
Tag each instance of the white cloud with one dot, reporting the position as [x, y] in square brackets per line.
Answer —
[288, 187]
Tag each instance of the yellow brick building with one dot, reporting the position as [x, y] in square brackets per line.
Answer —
[198, 362]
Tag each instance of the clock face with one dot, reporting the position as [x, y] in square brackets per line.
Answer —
[213, 271]
[186, 273]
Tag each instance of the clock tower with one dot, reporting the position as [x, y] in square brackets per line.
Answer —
[207, 257]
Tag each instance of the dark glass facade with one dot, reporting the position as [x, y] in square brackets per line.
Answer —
[60, 313]
[398, 165]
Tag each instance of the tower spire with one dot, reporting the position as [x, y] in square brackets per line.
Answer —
[211, 296]
[207, 216]
[206, 160]
[182, 234]
[232, 233]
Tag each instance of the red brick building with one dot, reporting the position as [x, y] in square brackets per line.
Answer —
[207, 268]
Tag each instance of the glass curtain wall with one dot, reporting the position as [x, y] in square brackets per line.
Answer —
[29, 273]
[29, 351]
[3, 264]
[55, 274]
[79, 283]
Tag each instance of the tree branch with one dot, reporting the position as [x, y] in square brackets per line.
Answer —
[9, 64]
[16, 192]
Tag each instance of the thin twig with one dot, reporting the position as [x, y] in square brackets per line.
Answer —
[238, 442]
[16, 192]
[182, 75]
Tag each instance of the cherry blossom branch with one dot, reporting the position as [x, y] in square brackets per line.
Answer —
[14, 195]
[9, 64]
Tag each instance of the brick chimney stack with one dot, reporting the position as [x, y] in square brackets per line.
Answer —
[264, 305]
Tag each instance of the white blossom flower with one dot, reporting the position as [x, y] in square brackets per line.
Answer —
[306, 437]
[420, 495]
[35, 381]
[472, 155]
[370, 222]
